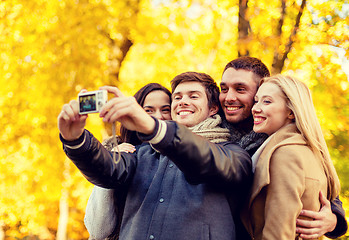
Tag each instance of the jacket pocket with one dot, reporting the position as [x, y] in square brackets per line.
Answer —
[310, 197]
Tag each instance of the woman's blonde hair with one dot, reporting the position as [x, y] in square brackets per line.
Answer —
[299, 101]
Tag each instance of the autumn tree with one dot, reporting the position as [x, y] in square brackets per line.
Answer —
[50, 50]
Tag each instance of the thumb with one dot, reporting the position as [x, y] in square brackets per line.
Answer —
[83, 117]
[113, 90]
[323, 200]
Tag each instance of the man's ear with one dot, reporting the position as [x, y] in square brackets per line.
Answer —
[213, 110]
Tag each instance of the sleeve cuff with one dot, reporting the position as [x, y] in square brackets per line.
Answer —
[75, 144]
[158, 134]
[341, 228]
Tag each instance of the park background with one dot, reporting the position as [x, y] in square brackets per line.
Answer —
[51, 49]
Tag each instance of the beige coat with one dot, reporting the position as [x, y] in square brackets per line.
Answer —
[288, 178]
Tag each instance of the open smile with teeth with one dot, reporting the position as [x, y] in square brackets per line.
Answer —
[258, 119]
[183, 113]
[233, 108]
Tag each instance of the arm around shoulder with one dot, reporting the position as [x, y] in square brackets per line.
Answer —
[342, 225]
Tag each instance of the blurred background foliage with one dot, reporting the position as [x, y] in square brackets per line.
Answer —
[50, 50]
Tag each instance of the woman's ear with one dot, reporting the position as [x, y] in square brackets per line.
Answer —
[213, 110]
[291, 116]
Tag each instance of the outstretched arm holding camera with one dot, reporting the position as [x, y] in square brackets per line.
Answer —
[123, 109]
[226, 164]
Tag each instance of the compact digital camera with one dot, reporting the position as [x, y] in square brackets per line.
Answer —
[92, 102]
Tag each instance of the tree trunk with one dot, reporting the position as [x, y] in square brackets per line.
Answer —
[125, 47]
[114, 73]
[2, 232]
[243, 28]
[63, 205]
[63, 217]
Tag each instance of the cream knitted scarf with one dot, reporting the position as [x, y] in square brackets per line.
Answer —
[211, 129]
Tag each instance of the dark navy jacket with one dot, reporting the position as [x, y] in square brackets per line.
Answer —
[188, 189]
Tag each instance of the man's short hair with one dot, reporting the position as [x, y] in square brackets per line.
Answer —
[211, 88]
[250, 64]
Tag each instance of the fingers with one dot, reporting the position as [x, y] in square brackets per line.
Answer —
[125, 147]
[70, 112]
[118, 107]
[70, 123]
[309, 236]
[129, 113]
[301, 223]
[113, 90]
[310, 214]
[308, 229]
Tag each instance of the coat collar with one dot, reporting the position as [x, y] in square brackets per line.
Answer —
[287, 135]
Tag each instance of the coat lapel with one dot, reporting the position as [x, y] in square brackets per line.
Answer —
[286, 135]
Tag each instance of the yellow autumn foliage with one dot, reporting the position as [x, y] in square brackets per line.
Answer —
[50, 50]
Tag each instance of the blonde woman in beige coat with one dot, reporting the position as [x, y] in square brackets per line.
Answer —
[293, 165]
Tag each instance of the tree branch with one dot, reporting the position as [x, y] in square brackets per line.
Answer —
[282, 18]
[279, 59]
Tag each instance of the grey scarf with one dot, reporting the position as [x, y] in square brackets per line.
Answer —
[247, 139]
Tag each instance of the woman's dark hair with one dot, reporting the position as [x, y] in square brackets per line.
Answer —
[129, 136]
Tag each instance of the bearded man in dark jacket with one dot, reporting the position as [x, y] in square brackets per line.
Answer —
[240, 82]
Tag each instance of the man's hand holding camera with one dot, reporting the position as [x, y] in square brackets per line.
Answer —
[127, 111]
[70, 123]
[72, 119]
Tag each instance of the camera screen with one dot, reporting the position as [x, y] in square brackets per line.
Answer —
[87, 103]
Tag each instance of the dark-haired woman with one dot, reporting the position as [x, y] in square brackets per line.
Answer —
[105, 206]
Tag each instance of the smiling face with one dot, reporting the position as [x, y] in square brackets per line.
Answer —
[270, 111]
[157, 104]
[238, 88]
[190, 105]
